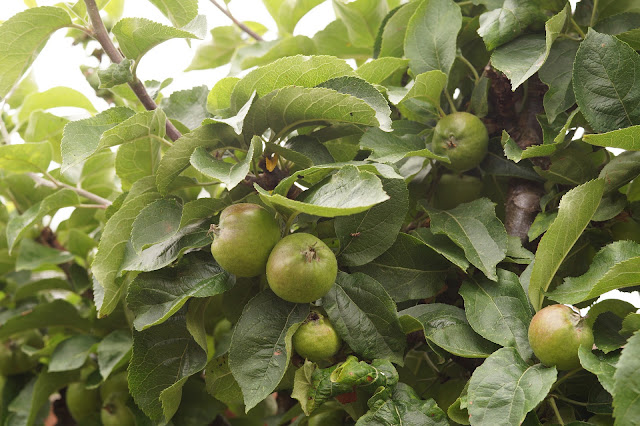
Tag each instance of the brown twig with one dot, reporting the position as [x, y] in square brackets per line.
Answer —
[240, 25]
[54, 183]
[102, 36]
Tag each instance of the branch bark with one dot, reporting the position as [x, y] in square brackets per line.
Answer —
[102, 36]
[240, 25]
[523, 196]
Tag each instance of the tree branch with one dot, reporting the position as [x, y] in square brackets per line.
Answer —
[55, 183]
[102, 36]
[523, 196]
[240, 25]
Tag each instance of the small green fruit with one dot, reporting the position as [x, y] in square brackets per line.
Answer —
[244, 238]
[316, 339]
[116, 413]
[301, 268]
[463, 138]
[455, 189]
[115, 387]
[12, 359]
[83, 403]
[556, 333]
[333, 417]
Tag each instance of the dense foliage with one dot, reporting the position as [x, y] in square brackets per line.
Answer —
[121, 315]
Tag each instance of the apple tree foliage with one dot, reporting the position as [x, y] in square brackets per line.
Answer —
[332, 133]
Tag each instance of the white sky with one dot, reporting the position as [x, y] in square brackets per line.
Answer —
[59, 62]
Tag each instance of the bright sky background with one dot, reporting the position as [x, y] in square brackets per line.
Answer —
[59, 62]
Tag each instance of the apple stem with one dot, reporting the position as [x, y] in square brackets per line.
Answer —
[311, 254]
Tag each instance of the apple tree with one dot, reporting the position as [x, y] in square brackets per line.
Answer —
[389, 203]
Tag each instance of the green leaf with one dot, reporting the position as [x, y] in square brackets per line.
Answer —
[365, 236]
[364, 315]
[230, 174]
[136, 36]
[31, 399]
[58, 313]
[347, 192]
[197, 406]
[393, 34]
[19, 225]
[165, 252]
[428, 87]
[261, 344]
[605, 82]
[334, 40]
[389, 148]
[179, 12]
[626, 390]
[447, 327]
[362, 19]
[410, 411]
[614, 266]
[362, 90]
[475, 228]
[107, 264]
[116, 74]
[219, 51]
[32, 288]
[263, 53]
[575, 211]
[157, 391]
[409, 270]
[292, 107]
[113, 351]
[33, 255]
[621, 170]
[601, 364]
[287, 13]
[72, 353]
[524, 56]
[177, 157]
[627, 139]
[443, 245]
[500, 26]
[189, 107]
[220, 382]
[301, 71]
[382, 70]
[499, 311]
[505, 388]
[155, 296]
[26, 157]
[430, 41]
[22, 37]
[556, 74]
[219, 98]
[156, 222]
[82, 138]
[53, 98]
[137, 159]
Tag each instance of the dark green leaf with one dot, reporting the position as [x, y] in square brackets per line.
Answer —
[505, 388]
[364, 315]
[261, 344]
[409, 270]
[157, 391]
[447, 327]
[155, 296]
[605, 82]
[499, 311]
[430, 41]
